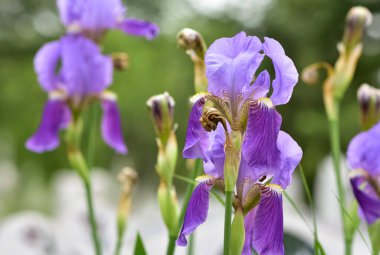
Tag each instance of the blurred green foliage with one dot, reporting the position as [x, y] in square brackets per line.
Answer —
[308, 30]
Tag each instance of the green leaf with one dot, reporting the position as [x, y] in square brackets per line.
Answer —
[374, 234]
[139, 246]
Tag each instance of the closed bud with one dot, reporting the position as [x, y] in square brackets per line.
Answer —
[192, 41]
[162, 111]
[168, 203]
[310, 74]
[120, 61]
[369, 100]
[357, 20]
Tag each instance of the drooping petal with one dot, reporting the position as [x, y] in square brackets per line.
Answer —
[45, 64]
[91, 14]
[248, 224]
[367, 197]
[290, 157]
[111, 125]
[56, 115]
[85, 70]
[286, 73]
[214, 166]
[364, 149]
[196, 137]
[268, 227]
[138, 27]
[231, 64]
[197, 210]
[260, 141]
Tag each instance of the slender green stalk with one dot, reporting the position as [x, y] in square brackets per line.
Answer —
[171, 245]
[190, 249]
[79, 163]
[227, 222]
[335, 150]
[118, 245]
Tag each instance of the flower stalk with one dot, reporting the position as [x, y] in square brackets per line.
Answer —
[79, 164]
[338, 80]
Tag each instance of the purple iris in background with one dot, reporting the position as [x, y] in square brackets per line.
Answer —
[363, 157]
[94, 17]
[268, 156]
[74, 73]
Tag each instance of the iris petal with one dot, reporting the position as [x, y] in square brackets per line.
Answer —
[214, 166]
[267, 232]
[363, 151]
[138, 27]
[286, 72]
[56, 115]
[197, 210]
[111, 126]
[368, 199]
[231, 64]
[196, 137]
[45, 64]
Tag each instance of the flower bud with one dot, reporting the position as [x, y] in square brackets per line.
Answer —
[120, 61]
[310, 74]
[369, 100]
[358, 18]
[162, 110]
[192, 41]
[168, 202]
[127, 177]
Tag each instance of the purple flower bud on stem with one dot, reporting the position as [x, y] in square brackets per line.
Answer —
[369, 101]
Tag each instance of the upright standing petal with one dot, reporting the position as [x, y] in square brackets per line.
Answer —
[93, 15]
[259, 88]
[138, 27]
[290, 157]
[197, 210]
[84, 69]
[196, 137]
[231, 64]
[286, 72]
[56, 115]
[368, 198]
[45, 64]
[268, 227]
[111, 124]
[364, 149]
[260, 141]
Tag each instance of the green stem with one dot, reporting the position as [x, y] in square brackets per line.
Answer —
[171, 245]
[190, 249]
[92, 218]
[335, 150]
[118, 244]
[227, 222]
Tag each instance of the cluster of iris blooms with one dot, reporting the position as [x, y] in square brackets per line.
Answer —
[233, 133]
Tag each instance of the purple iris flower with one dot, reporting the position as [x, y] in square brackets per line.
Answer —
[93, 17]
[74, 72]
[268, 156]
[363, 158]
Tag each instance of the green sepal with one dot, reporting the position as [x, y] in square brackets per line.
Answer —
[139, 246]
[168, 203]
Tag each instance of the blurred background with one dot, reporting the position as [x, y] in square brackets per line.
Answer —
[308, 30]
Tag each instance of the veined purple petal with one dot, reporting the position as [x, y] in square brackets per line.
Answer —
[268, 227]
[111, 125]
[290, 157]
[45, 64]
[368, 199]
[197, 210]
[84, 69]
[196, 137]
[94, 15]
[56, 116]
[260, 141]
[248, 225]
[364, 150]
[138, 27]
[286, 72]
[214, 166]
[231, 64]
